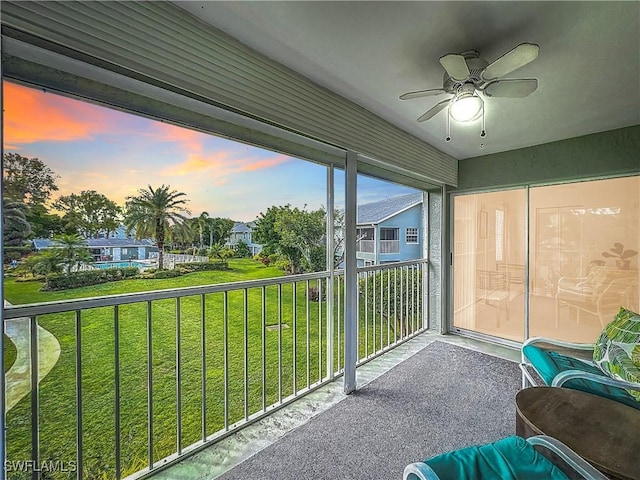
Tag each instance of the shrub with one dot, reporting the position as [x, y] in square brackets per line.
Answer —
[241, 250]
[90, 277]
[202, 266]
[314, 295]
[15, 253]
[283, 264]
[159, 274]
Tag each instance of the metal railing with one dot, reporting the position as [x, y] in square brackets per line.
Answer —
[392, 306]
[144, 379]
[366, 246]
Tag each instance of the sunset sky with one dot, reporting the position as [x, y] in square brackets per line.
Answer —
[96, 148]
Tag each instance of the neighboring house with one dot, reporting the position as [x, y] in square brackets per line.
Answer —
[120, 233]
[111, 249]
[390, 230]
[243, 231]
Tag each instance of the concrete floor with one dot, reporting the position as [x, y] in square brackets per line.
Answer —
[225, 454]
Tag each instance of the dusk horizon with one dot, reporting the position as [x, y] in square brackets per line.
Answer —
[92, 147]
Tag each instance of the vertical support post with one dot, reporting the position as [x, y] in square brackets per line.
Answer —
[35, 394]
[78, 325]
[424, 267]
[350, 275]
[527, 240]
[330, 269]
[3, 426]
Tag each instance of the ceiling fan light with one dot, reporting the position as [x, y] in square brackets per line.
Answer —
[466, 108]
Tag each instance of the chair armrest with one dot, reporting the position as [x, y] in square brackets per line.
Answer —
[567, 375]
[419, 471]
[559, 343]
[572, 459]
[527, 374]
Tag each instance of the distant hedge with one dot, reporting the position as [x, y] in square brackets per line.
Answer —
[15, 253]
[90, 277]
[201, 266]
[159, 274]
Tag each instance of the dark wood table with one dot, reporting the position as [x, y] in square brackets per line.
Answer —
[604, 432]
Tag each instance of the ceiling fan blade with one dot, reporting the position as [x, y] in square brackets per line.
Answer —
[434, 110]
[510, 61]
[422, 93]
[456, 66]
[511, 88]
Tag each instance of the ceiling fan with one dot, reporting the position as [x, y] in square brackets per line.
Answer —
[467, 76]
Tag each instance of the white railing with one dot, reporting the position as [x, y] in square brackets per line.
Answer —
[144, 379]
[170, 260]
[391, 304]
[389, 246]
[366, 246]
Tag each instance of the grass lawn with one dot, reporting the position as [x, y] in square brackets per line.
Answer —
[58, 390]
[9, 353]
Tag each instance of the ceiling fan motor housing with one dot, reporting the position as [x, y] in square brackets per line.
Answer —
[475, 64]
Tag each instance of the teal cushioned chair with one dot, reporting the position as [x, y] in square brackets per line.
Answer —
[512, 458]
[571, 366]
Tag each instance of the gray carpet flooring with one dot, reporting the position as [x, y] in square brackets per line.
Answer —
[442, 398]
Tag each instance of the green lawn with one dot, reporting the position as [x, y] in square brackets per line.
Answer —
[9, 353]
[58, 391]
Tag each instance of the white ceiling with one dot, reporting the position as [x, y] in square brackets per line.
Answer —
[371, 52]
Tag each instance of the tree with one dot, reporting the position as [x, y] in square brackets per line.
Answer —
[44, 224]
[15, 226]
[181, 234]
[89, 213]
[296, 234]
[73, 251]
[153, 211]
[219, 230]
[45, 262]
[27, 180]
[241, 249]
[203, 223]
[220, 251]
[304, 231]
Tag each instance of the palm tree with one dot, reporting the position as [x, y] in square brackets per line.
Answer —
[153, 211]
[73, 250]
[15, 225]
[203, 223]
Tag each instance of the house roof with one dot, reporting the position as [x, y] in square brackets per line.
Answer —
[40, 243]
[376, 212]
[243, 227]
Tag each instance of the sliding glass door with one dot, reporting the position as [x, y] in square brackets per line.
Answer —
[583, 244]
[488, 263]
[583, 255]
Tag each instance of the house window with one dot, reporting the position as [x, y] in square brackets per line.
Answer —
[124, 251]
[411, 235]
[389, 234]
[389, 240]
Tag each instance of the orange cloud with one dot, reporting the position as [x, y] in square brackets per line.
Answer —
[196, 163]
[31, 116]
[191, 140]
[265, 163]
[221, 163]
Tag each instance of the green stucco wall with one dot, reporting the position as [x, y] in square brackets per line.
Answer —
[616, 152]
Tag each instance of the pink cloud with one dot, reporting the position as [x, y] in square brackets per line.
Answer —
[265, 163]
[32, 116]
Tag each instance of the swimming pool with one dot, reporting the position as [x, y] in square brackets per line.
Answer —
[132, 263]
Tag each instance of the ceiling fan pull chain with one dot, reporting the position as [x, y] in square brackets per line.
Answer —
[448, 137]
[483, 132]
